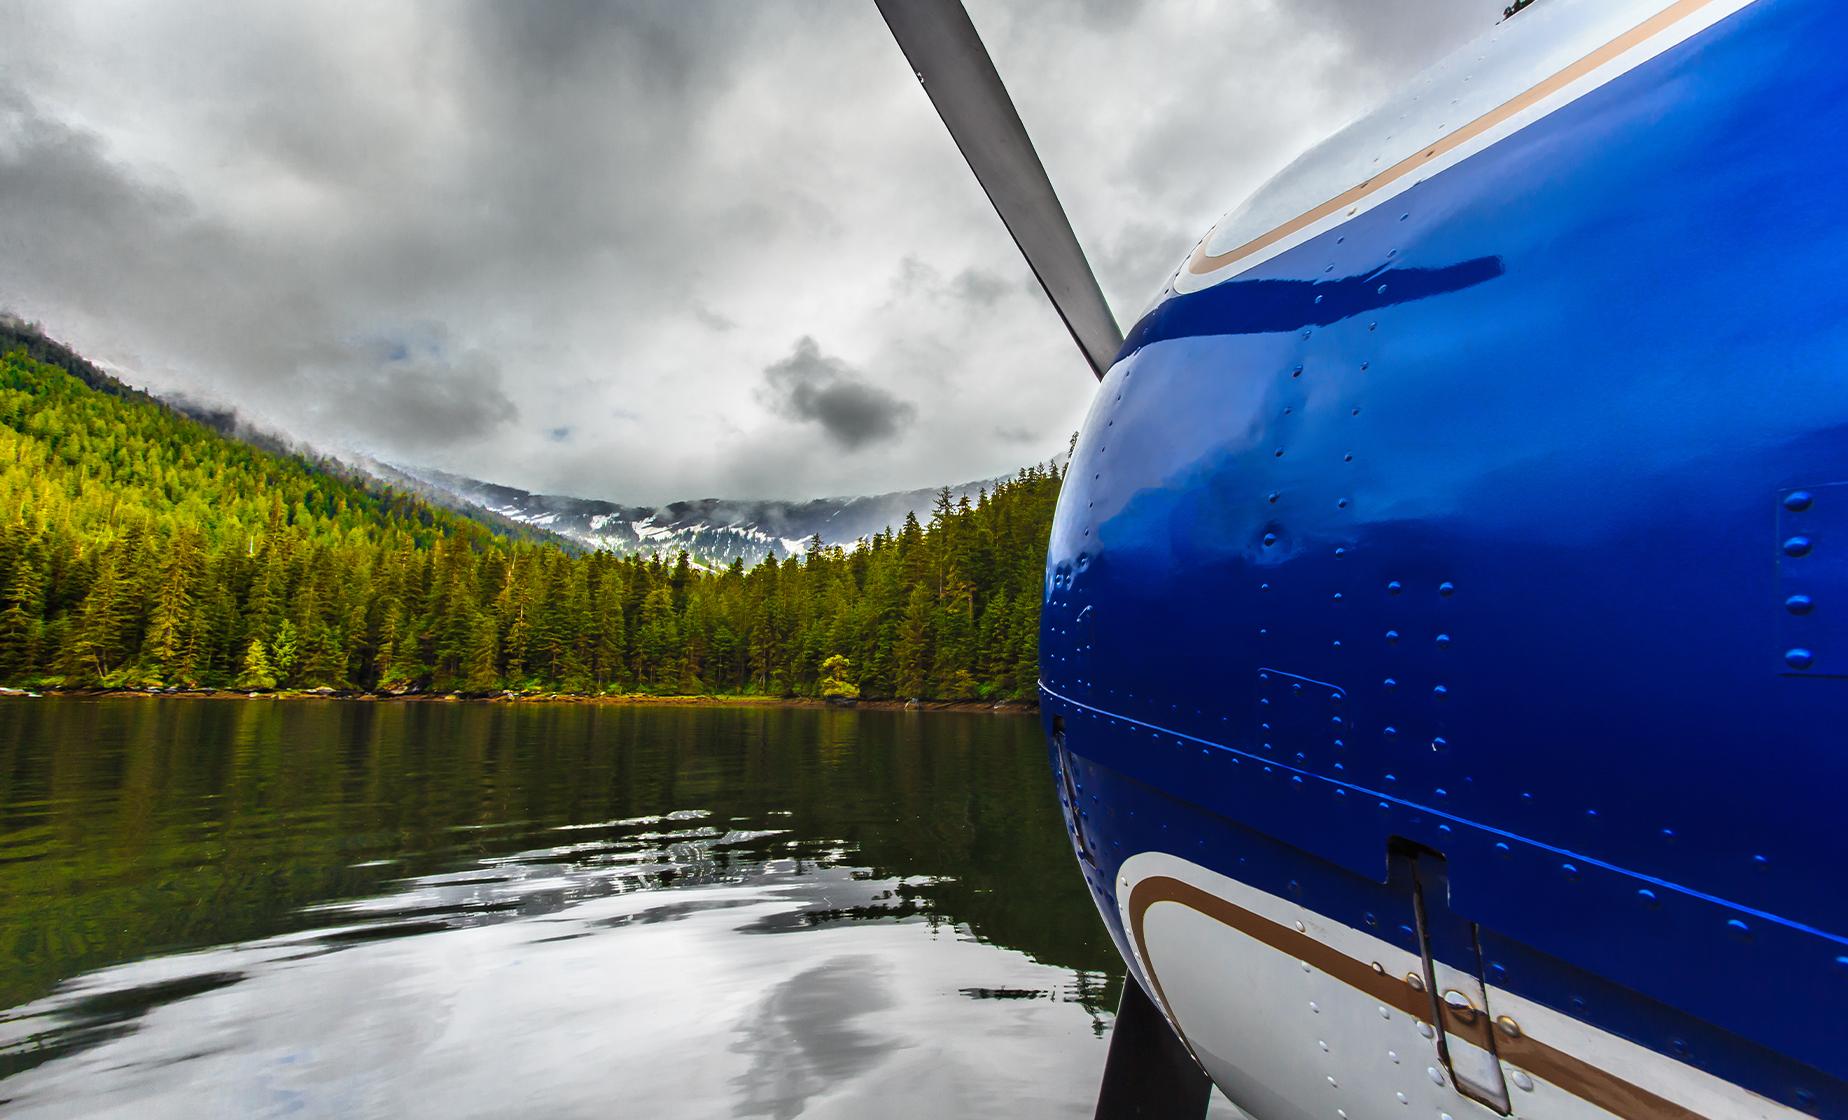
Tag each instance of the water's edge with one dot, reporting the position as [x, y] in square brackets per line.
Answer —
[1000, 707]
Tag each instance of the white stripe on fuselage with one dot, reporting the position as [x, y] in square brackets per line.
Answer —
[1512, 77]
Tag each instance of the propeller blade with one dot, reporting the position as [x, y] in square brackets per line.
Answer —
[949, 59]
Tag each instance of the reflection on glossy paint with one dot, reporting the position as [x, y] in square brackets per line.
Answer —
[1260, 306]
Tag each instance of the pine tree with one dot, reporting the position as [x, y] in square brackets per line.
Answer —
[912, 651]
[482, 663]
[258, 675]
[284, 651]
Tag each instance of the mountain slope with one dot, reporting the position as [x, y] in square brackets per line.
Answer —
[142, 549]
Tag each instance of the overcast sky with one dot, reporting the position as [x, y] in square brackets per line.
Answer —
[636, 251]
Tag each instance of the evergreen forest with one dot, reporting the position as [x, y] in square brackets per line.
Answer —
[142, 549]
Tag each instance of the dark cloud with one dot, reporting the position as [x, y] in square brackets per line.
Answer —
[417, 389]
[979, 287]
[711, 319]
[809, 385]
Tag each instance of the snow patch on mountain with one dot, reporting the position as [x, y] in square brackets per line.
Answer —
[712, 531]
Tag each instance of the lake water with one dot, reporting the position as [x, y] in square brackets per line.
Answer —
[339, 908]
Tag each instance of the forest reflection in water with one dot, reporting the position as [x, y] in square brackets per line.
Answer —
[213, 907]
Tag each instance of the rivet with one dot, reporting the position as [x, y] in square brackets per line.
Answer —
[1394, 1055]
[1738, 927]
[1270, 539]
[1446, 588]
[1322, 1044]
[1414, 981]
[1272, 497]
[1296, 371]
[1522, 1081]
[1389, 683]
[1392, 635]
[1300, 928]
[1797, 546]
[1648, 898]
[1797, 501]
[1384, 1013]
[1799, 604]
[1313, 1008]
[1436, 1077]
[1379, 968]
[1799, 658]
[1509, 1027]
[1331, 1084]
[1402, 1098]
[1443, 640]
[1393, 587]
[1427, 1030]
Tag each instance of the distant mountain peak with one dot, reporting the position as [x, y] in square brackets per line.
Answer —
[713, 531]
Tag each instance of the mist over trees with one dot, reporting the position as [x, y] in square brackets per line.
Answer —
[141, 549]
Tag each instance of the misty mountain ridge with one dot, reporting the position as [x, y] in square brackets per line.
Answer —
[712, 531]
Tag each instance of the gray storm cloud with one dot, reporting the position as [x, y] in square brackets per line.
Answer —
[809, 385]
[447, 232]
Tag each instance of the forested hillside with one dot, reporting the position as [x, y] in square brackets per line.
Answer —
[141, 549]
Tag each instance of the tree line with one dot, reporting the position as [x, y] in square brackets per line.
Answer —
[141, 549]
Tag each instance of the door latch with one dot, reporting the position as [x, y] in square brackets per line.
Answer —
[1459, 1002]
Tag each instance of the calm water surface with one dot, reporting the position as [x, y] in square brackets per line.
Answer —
[253, 908]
